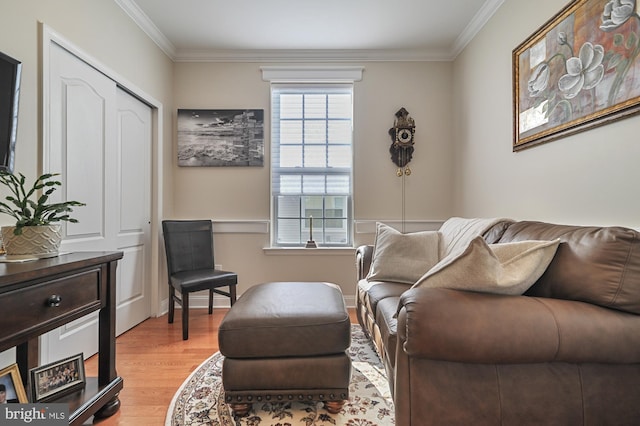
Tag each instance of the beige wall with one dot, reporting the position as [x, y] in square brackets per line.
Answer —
[101, 30]
[588, 178]
[463, 163]
[104, 32]
[243, 193]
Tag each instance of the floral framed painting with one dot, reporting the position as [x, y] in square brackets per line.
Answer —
[578, 71]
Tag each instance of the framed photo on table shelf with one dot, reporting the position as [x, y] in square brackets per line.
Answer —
[51, 381]
[11, 388]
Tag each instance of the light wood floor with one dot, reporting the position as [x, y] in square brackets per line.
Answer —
[153, 360]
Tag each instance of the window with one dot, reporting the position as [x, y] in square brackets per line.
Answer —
[311, 163]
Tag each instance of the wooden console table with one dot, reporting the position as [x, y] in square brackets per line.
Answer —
[41, 295]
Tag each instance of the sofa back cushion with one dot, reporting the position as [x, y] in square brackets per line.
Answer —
[457, 232]
[493, 234]
[599, 265]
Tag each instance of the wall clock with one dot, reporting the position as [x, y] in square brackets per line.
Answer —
[402, 140]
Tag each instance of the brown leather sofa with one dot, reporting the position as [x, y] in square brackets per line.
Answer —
[565, 353]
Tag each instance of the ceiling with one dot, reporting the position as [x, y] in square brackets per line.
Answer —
[311, 29]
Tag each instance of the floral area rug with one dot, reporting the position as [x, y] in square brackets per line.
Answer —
[200, 399]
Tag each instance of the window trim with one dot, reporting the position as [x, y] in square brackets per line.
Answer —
[311, 74]
[323, 87]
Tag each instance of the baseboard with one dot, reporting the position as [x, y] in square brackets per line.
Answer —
[350, 301]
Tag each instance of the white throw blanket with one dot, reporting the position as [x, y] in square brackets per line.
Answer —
[457, 232]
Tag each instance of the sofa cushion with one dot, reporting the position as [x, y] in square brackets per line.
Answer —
[457, 232]
[509, 268]
[493, 234]
[388, 325]
[599, 265]
[372, 292]
[402, 257]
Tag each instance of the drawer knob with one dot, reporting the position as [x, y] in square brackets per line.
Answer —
[54, 300]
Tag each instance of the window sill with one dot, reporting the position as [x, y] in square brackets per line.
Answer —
[301, 251]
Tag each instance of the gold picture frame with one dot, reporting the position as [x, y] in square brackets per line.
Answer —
[12, 383]
[580, 70]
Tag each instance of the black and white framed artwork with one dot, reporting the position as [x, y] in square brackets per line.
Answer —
[220, 137]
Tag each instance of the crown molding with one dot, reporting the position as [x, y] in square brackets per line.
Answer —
[308, 55]
[142, 20]
[486, 12]
[488, 9]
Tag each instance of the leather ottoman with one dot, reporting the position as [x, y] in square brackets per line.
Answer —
[286, 341]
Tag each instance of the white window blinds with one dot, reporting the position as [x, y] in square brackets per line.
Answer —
[311, 163]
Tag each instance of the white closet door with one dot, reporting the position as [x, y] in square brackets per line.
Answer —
[81, 147]
[97, 143]
[134, 186]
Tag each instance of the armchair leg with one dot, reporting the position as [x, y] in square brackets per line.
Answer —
[185, 315]
[210, 301]
[172, 304]
[232, 293]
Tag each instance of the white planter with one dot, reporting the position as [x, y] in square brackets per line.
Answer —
[35, 241]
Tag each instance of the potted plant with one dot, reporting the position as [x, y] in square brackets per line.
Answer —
[36, 232]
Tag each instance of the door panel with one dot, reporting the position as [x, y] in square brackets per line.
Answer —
[85, 147]
[100, 142]
[81, 148]
[134, 155]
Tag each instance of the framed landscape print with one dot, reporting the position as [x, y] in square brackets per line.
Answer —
[578, 71]
[220, 137]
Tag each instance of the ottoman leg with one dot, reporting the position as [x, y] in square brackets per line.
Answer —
[240, 409]
[334, 407]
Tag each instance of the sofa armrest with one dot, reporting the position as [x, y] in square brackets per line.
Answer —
[364, 254]
[461, 326]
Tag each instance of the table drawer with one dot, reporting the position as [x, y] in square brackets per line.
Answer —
[42, 304]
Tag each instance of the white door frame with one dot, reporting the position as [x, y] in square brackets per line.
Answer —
[50, 36]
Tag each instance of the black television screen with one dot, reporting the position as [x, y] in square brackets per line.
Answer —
[9, 97]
